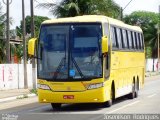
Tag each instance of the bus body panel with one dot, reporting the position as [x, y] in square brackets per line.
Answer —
[126, 68]
[87, 96]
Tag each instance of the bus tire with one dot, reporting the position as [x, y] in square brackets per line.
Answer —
[136, 89]
[110, 102]
[56, 105]
[132, 94]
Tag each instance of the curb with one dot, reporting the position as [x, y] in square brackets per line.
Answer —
[17, 97]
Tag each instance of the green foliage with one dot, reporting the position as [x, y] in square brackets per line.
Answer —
[2, 51]
[22, 96]
[148, 50]
[70, 8]
[37, 21]
[17, 49]
[34, 91]
[2, 32]
[2, 42]
[148, 21]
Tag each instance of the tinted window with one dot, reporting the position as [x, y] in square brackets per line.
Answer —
[130, 39]
[114, 38]
[122, 39]
[137, 39]
[106, 32]
[140, 41]
[125, 39]
[134, 40]
[119, 37]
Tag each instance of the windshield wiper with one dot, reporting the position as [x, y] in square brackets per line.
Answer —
[78, 69]
[63, 60]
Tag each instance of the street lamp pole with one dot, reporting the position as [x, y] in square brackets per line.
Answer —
[7, 32]
[122, 9]
[8, 35]
[24, 47]
[158, 33]
[33, 35]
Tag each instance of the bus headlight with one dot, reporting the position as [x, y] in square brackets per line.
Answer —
[95, 86]
[42, 86]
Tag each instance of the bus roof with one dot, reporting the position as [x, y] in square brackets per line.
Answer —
[93, 18]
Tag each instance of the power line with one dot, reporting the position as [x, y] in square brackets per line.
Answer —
[122, 9]
[127, 5]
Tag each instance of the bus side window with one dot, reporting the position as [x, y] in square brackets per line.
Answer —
[140, 41]
[125, 39]
[130, 39]
[136, 45]
[133, 40]
[106, 33]
[122, 39]
[119, 37]
[114, 38]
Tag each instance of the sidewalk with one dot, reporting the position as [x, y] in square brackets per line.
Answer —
[7, 95]
[149, 74]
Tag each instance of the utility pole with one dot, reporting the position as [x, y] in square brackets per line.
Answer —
[122, 9]
[121, 14]
[7, 32]
[8, 35]
[24, 47]
[158, 34]
[33, 35]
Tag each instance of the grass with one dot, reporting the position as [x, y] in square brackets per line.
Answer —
[34, 91]
[22, 96]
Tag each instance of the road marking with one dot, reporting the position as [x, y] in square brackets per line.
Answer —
[123, 107]
[39, 108]
[150, 96]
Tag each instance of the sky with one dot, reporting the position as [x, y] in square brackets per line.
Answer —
[16, 8]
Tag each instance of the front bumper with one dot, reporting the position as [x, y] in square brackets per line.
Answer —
[89, 96]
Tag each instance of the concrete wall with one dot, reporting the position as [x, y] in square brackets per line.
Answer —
[151, 65]
[12, 76]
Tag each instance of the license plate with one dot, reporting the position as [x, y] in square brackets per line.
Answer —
[68, 96]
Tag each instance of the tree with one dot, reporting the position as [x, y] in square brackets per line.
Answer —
[148, 22]
[70, 8]
[2, 42]
[38, 20]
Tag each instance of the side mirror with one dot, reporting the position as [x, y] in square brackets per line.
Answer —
[31, 46]
[104, 44]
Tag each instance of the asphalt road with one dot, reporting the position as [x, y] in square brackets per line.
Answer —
[148, 102]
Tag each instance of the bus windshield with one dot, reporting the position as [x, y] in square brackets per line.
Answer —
[70, 51]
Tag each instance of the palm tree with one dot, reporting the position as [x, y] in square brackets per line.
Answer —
[70, 8]
[2, 43]
[2, 37]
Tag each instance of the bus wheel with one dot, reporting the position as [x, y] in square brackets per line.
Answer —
[132, 95]
[109, 102]
[56, 105]
[136, 89]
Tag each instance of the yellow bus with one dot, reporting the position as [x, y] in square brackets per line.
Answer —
[88, 59]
